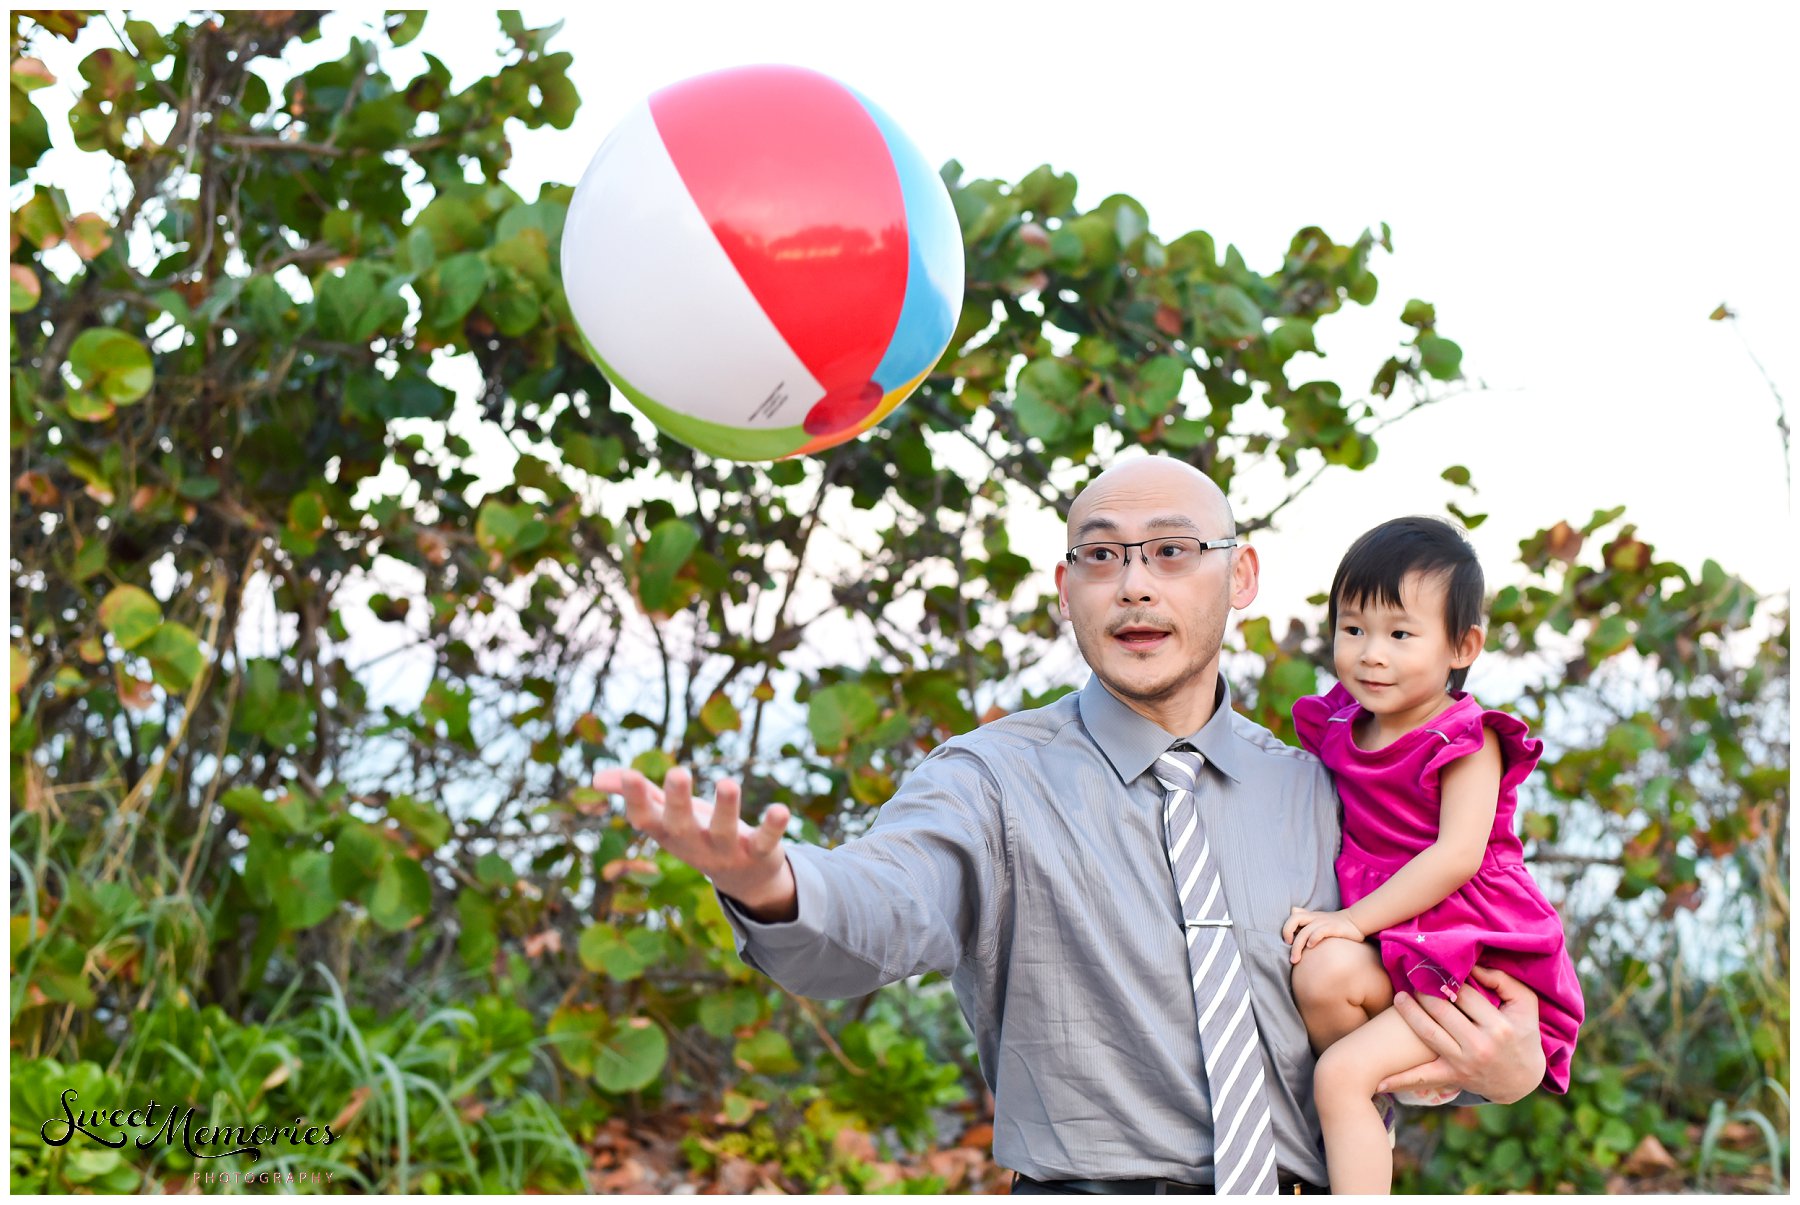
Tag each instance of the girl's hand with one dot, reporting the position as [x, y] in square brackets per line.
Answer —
[1306, 929]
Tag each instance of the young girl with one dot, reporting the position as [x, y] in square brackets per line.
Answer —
[1431, 874]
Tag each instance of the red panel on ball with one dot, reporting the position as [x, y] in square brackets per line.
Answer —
[797, 184]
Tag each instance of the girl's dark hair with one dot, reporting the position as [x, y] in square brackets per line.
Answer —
[1382, 557]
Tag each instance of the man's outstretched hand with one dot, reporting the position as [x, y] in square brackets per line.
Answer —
[747, 864]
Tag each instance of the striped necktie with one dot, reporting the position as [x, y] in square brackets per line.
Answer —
[1243, 1135]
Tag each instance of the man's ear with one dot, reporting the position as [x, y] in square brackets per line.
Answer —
[1245, 570]
[1062, 595]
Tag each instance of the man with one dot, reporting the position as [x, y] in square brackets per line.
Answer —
[1031, 861]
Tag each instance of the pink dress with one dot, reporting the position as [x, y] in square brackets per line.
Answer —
[1498, 918]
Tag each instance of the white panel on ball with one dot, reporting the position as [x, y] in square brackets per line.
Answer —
[660, 299]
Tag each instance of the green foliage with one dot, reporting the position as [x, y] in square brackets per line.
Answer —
[1569, 1143]
[890, 1079]
[234, 463]
[1688, 772]
[432, 1105]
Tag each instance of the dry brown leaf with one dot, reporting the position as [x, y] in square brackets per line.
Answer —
[38, 489]
[33, 69]
[854, 1144]
[1565, 542]
[631, 1176]
[134, 692]
[433, 545]
[538, 944]
[618, 867]
[1739, 1133]
[953, 1166]
[27, 281]
[352, 1107]
[979, 1136]
[1649, 1158]
[89, 235]
[738, 1176]
[884, 1175]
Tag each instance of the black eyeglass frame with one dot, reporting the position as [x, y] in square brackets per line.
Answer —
[1206, 546]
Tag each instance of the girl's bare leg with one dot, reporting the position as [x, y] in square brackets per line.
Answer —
[1339, 984]
[1357, 1156]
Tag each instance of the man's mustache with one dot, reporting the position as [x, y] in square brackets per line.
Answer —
[1139, 619]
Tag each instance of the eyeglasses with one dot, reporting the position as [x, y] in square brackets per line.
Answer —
[1166, 556]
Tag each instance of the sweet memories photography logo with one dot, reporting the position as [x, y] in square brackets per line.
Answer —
[113, 1127]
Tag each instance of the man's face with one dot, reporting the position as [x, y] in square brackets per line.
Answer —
[1154, 640]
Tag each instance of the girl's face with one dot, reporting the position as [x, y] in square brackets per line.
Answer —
[1396, 661]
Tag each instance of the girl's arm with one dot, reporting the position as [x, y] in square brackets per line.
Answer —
[1471, 795]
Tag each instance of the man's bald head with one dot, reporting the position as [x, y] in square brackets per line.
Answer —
[1174, 487]
[1151, 626]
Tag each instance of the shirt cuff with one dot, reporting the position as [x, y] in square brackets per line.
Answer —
[805, 929]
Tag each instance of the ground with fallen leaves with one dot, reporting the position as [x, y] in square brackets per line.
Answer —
[646, 1156]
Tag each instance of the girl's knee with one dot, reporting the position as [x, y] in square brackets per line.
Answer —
[1334, 970]
[1343, 1073]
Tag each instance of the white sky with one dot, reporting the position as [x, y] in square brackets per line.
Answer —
[1575, 190]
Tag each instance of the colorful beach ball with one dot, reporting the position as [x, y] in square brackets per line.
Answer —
[762, 262]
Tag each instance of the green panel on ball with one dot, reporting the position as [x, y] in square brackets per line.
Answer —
[715, 439]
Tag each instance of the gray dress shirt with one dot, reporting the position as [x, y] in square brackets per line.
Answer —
[1026, 860]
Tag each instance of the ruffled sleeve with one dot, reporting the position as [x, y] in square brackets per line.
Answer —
[1519, 751]
[1313, 712]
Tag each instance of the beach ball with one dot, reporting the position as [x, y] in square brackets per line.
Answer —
[762, 262]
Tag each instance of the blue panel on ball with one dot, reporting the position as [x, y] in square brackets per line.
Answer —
[934, 270]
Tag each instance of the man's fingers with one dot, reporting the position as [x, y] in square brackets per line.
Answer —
[1434, 1074]
[1421, 1022]
[678, 804]
[724, 826]
[1460, 1034]
[768, 834]
[1477, 1008]
[639, 809]
[1509, 989]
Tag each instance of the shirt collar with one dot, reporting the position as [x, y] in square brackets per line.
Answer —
[1132, 743]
